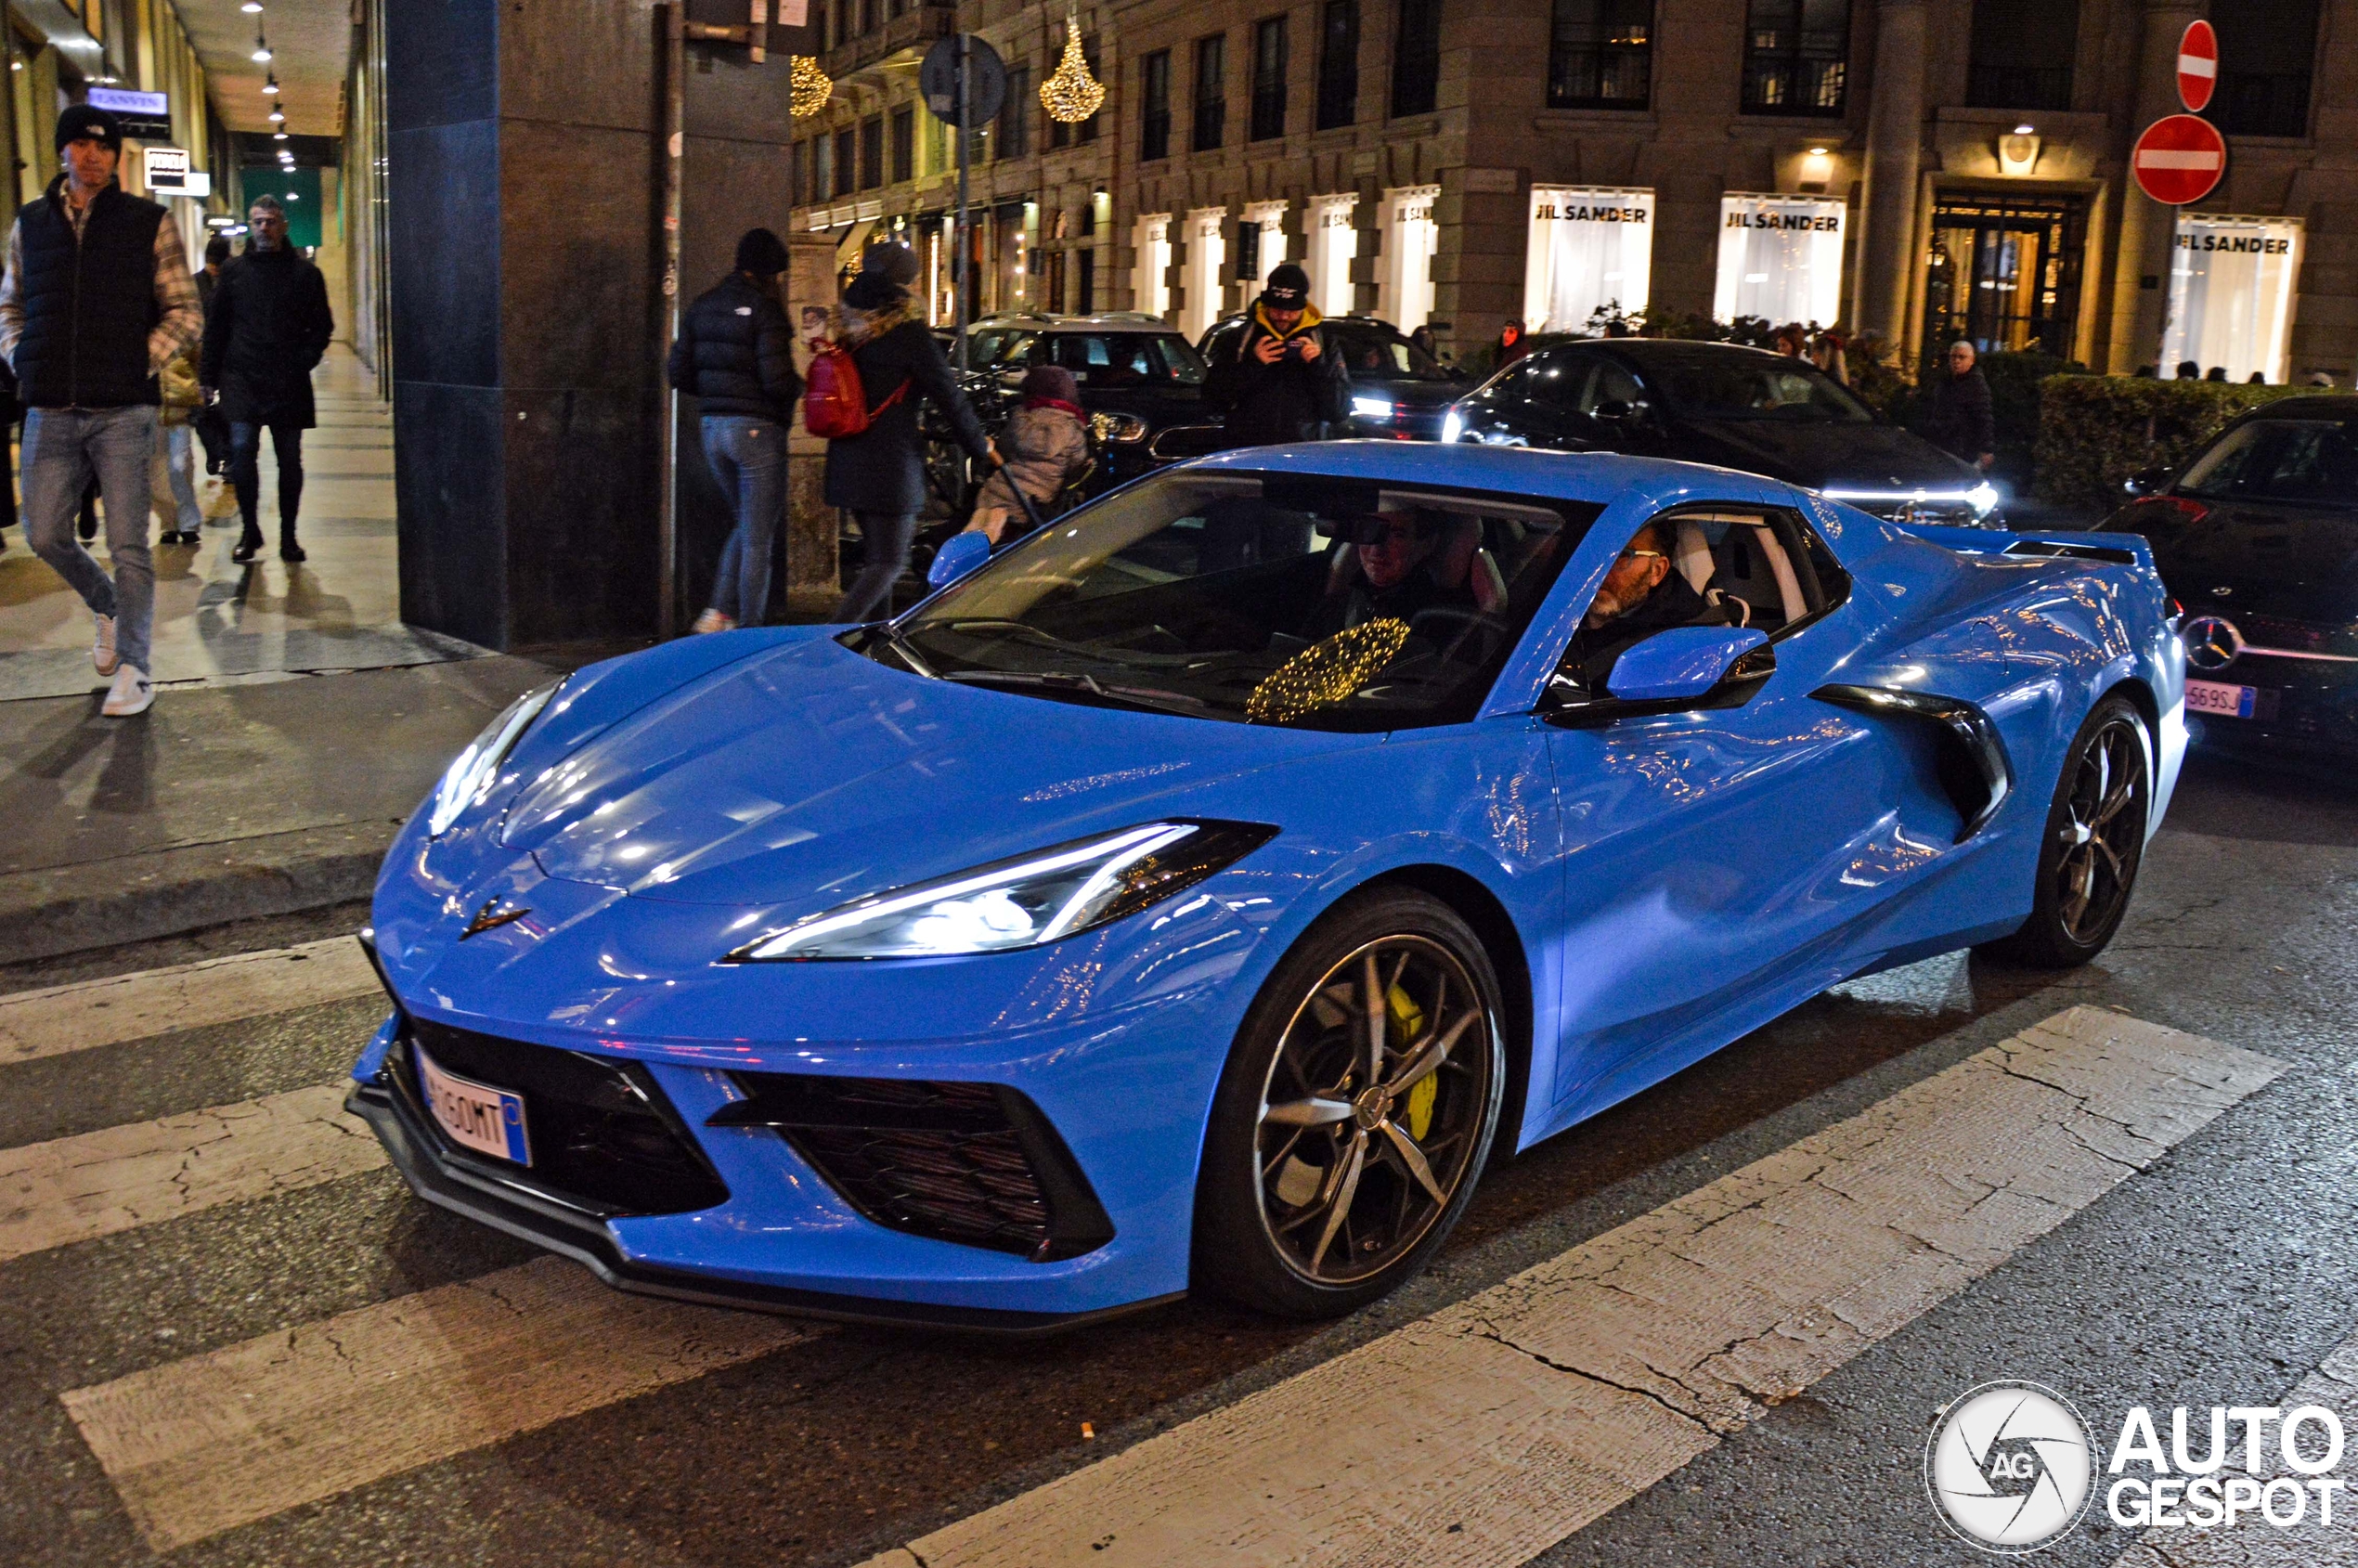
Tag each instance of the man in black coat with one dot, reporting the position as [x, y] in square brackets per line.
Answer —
[879, 476]
[1282, 384]
[267, 330]
[1956, 416]
[735, 356]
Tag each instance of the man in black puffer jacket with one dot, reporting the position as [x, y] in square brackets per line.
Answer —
[1281, 385]
[736, 355]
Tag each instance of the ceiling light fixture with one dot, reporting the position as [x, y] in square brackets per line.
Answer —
[271, 85]
[277, 115]
[261, 50]
[278, 136]
[251, 7]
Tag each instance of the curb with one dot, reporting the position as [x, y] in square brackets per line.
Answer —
[60, 910]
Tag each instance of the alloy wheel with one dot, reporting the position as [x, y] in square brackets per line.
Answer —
[2100, 834]
[1374, 1110]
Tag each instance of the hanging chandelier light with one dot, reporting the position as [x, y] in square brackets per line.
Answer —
[261, 50]
[270, 85]
[810, 87]
[1071, 95]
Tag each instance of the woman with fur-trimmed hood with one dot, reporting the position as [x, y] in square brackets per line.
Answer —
[879, 475]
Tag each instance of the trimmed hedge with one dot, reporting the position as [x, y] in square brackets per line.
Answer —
[2096, 431]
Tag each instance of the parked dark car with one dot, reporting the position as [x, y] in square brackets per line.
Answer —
[2257, 540]
[1138, 375]
[1729, 406]
[1397, 390]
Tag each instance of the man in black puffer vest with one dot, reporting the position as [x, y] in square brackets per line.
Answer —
[735, 356]
[264, 333]
[96, 299]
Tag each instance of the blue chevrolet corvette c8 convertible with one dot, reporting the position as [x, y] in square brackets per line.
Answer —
[1201, 890]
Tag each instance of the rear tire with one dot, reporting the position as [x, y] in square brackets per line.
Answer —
[1343, 1147]
[2093, 844]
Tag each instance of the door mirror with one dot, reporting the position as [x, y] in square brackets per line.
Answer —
[2146, 481]
[1684, 662]
[962, 554]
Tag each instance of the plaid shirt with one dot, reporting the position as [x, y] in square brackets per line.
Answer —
[180, 314]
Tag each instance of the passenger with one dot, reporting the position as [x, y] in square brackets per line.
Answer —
[1401, 566]
[1639, 596]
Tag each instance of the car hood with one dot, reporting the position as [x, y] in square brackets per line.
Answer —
[812, 772]
[1830, 456]
[2295, 561]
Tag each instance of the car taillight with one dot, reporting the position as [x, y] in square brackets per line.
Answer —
[2187, 511]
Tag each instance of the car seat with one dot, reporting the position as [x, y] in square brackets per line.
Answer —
[1747, 564]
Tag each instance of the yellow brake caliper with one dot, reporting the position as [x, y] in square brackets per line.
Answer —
[1408, 1020]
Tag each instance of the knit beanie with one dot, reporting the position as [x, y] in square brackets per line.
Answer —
[80, 120]
[894, 262]
[1050, 381]
[1289, 288]
[762, 253]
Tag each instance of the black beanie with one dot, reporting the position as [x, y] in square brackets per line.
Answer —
[80, 120]
[762, 253]
[1289, 288]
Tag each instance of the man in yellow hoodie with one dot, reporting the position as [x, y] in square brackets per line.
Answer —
[1281, 383]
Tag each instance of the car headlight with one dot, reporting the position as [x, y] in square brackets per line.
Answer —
[1118, 427]
[1983, 498]
[1453, 426]
[469, 774]
[1371, 407]
[1023, 902]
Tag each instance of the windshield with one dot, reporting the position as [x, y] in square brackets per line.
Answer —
[2279, 460]
[1370, 351]
[1756, 387]
[1304, 601]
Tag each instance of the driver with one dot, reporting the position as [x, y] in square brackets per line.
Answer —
[1400, 566]
[1639, 596]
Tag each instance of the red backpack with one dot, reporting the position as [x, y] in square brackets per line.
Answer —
[834, 404]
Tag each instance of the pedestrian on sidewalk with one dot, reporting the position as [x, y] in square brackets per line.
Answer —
[268, 331]
[1283, 383]
[1047, 446]
[96, 299]
[213, 431]
[172, 474]
[1956, 416]
[735, 356]
[879, 475]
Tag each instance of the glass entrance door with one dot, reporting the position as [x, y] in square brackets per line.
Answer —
[2006, 273]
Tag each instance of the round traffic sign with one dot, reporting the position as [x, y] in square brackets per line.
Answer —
[2198, 65]
[2179, 159]
[986, 80]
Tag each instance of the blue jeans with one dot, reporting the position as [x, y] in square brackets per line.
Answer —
[175, 486]
[748, 456]
[62, 449]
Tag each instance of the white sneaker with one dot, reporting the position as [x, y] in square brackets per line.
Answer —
[102, 655]
[133, 693]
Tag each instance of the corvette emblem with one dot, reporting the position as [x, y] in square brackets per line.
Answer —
[490, 914]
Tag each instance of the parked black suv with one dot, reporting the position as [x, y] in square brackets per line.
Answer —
[1726, 404]
[1398, 391]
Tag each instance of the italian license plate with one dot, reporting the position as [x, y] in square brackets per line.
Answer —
[2219, 698]
[475, 1115]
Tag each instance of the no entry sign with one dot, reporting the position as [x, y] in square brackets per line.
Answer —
[2179, 159]
[2198, 65]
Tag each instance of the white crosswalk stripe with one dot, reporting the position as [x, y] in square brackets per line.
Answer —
[119, 1178]
[91, 1013]
[201, 1445]
[1494, 1428]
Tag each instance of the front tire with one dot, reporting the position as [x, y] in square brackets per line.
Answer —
[1358, 1109]
[2095, 842]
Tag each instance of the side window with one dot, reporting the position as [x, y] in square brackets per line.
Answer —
[1221, 344]
[1514, 386]
[1558, 381]
[1612, 384]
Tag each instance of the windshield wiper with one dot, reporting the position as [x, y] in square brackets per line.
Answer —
[907, 650]
[1069, 680]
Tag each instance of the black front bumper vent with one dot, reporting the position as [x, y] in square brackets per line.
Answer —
[973, 1163]
[605, 1140]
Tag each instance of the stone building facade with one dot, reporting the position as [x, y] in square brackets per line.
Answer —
[1921, 168]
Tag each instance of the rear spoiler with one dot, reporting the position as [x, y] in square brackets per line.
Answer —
[2120, 550]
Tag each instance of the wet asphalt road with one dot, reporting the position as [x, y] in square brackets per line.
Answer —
[2223, 1275]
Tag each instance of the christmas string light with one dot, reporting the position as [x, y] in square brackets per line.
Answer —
[1324, 673]
[810, 87]
[1071, 95]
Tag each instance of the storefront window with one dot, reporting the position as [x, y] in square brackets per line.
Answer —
[1334, 244]
[1207, 257]
[1590, 250]
[1780, 258]
[1796, 57]
[1410, 237]
[2230, 283]
[1600, 53]
[1150, 281]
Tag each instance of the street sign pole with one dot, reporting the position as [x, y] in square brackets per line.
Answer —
[962, 282]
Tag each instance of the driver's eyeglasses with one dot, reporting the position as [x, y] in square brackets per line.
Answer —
[1643, 555]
